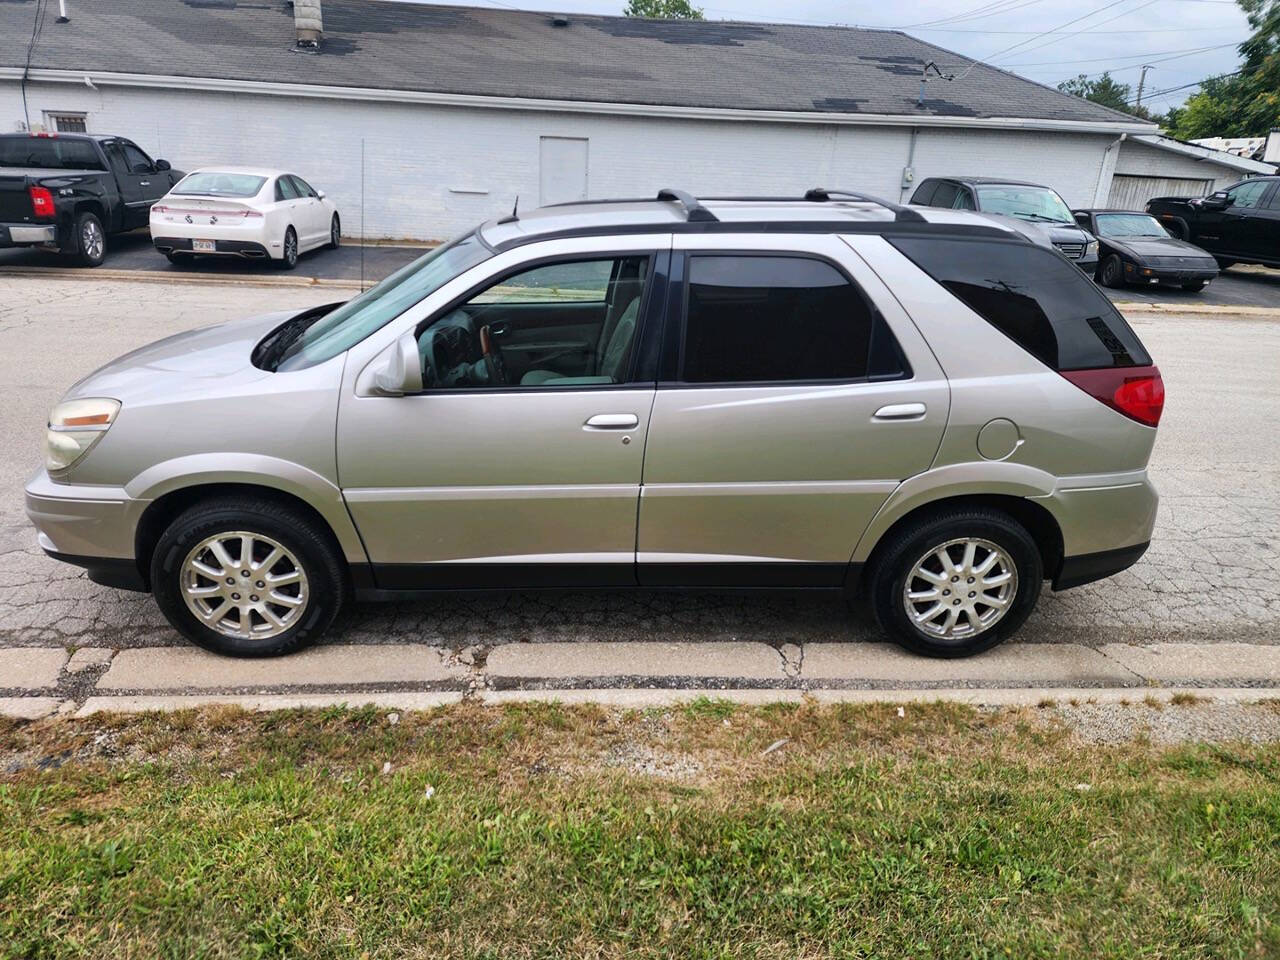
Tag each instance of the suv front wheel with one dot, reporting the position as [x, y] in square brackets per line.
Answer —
[247, 577]
[956, 584]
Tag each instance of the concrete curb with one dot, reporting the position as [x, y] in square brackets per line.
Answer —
[35, 708]
[1188, 309]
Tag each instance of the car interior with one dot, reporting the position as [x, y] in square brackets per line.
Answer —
[556, 325]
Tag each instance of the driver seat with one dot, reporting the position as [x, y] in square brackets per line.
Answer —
[614, 351]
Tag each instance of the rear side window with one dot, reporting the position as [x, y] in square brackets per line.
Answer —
[1034, 297]
[945, 196]
[924, 194]
[25, 151]
[762, 319]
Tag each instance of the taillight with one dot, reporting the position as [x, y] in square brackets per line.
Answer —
[1137, 392]
[41, 202]
[159, 208]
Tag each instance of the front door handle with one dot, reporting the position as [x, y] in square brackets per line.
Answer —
[900, 411]
[613, 421]
[144, 183]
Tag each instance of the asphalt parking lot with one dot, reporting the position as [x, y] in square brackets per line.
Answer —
[1212, 574]
[1238, 287]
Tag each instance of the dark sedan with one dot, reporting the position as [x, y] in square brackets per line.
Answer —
[1134, 248]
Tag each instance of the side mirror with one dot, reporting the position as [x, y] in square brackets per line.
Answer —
[401, 371]
[1216, 201]
[320, 194]
[163, 165]
[1083, 220]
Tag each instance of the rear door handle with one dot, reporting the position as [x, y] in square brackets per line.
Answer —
[900, 411]
[613, 421]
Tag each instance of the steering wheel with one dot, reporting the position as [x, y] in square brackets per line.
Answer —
[492, 357]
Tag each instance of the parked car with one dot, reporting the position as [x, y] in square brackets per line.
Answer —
[830, 393]
[69, 192]
[244, 212]
[1135, 248]
[1240, 224]
[1035, 211]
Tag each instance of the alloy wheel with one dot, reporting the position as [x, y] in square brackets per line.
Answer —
[91, 239]
[960, 589]
[244, 584]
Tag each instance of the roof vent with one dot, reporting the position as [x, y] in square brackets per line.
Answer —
[560, 20]
[308, 23]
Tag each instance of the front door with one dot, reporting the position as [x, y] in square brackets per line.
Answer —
[313, 219]
[519, 464]
[784, 420]
[140, 183]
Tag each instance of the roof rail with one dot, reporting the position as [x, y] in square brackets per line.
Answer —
[693, 210]
[901, 213]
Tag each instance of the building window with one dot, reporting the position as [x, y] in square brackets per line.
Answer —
[66, 122]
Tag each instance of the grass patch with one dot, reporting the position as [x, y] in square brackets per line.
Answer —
[544, 830]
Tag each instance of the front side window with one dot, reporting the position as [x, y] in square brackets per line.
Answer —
[1024, 202]
[319, 339]
[766, 319]
[138, 161]
[1038, 300]
[1248, 194]
[945, 196]
[302, 187]
[562, 324]
[1129, 225]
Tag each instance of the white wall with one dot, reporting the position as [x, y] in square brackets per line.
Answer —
[416, 157]
[1140, 160]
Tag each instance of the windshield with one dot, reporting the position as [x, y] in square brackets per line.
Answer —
[27, 151]
[380, 304]
[1025, 203]
[1129, 225]
[210, 183]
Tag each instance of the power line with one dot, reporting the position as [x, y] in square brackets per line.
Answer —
[1186, 52]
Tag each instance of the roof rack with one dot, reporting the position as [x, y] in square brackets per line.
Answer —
[901, 213]
[693, 210]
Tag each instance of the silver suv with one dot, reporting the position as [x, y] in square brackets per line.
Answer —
[828, 392]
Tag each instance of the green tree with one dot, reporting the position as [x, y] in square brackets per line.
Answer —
[1246, 103]
[1104, 90]
[663, 10]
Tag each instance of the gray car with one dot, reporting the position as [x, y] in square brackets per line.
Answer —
[833, 392]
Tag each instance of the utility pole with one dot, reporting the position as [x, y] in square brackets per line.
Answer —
[1142, 81]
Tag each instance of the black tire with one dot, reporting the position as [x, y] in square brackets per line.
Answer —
[289, 251]
[335, 233]
[1177, 228]
[1195, 286]
[1111, 272]
[90, 240]
[896, 559]
[303, 537]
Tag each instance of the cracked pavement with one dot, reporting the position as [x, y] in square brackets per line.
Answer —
[1212, 573]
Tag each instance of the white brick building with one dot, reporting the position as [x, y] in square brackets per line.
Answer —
[457, 111]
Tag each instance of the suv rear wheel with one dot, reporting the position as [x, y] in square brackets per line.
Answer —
[246, 577]
[956, 584]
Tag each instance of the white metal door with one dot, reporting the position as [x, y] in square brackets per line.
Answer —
[563, 164]
[1132, 193]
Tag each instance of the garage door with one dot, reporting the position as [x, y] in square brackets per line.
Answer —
[1132, 193]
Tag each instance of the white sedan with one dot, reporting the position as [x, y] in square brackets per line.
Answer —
[244, 212]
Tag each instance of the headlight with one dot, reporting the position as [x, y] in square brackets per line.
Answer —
[74, 427]
[1091, 248]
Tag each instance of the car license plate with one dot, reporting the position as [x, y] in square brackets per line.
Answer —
[202, 246]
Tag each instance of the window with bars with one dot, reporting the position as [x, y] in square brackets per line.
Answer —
[67, 122]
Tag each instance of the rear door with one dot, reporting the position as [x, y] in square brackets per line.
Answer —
[795, 396]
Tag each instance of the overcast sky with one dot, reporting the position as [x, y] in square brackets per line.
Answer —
[1115, 35]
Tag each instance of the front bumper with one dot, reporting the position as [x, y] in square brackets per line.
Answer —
[89, 526]
[28, 234]
[1139, 274]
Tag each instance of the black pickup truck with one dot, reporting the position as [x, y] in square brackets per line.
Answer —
[69, 192]
[1240, 224]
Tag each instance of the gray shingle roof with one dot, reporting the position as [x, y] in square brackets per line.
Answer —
[515, 53]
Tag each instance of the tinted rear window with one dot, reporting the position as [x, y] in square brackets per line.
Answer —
[1032, 296]
[51, 152]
